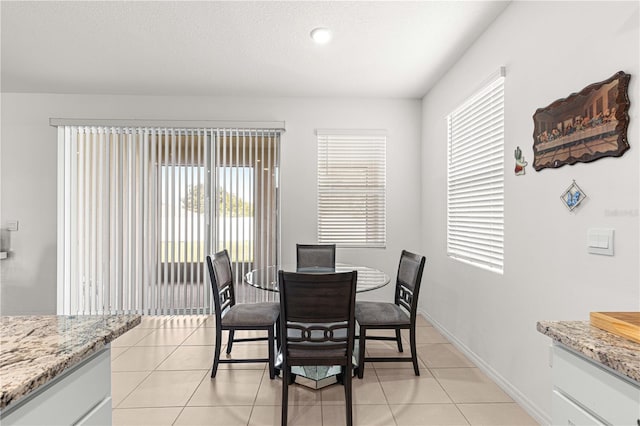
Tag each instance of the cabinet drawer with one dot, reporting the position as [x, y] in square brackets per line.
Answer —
[605, 394]
[99, 416]
[67, 398]
[566, 413]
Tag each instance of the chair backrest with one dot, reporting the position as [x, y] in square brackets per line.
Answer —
[408, 281]
[317, 312]
[316, 255]
[221, 282]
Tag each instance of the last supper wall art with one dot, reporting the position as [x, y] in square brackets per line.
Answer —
[583, 127]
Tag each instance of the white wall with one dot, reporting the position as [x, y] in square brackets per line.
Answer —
[28, 174]
[550, 50]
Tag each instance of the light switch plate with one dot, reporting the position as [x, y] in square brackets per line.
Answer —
[600, 241]
[12, 225]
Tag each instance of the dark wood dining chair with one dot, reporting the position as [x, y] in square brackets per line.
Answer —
[399, 315]
[231, 316]
[317, 326]
[316, 255]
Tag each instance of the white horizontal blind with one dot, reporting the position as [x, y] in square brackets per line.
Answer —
[137, 208]
[475, 179]
[352, 188]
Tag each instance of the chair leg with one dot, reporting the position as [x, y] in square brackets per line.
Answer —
[414, 356]
[276, 350]
[286, 372]
[361, 350]
[230, 342]
[399, 339]
[272, 370]
[216, 352]
[348, 394]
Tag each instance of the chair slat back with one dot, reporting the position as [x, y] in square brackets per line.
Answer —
[404, 297]
[316, 255]
[317, 311]
[408, 281]
[221, 281]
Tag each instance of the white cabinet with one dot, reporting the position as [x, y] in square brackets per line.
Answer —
[565, 412]
[81, 396]
[586, 393]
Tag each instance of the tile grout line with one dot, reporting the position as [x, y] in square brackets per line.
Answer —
[444, 389]
[132, 390]
[195, 389]
[255, 399]
[149, 372]
[376, 371]
[145, 377]
[395, 421]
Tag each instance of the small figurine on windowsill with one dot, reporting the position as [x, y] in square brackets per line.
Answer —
[520, 163]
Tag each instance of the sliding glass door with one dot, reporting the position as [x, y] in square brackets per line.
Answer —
[140, 208]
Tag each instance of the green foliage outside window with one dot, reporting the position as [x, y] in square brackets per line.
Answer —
[230, 205]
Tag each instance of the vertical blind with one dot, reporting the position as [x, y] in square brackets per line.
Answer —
[141, 207]
[475, 178]
[352, 188]
[247, 194]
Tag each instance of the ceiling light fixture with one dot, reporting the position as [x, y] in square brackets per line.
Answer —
[321, 35]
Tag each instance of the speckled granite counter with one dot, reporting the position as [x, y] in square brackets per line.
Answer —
[36, 349]
[617, 353]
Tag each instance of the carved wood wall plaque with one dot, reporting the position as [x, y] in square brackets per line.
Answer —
[584, 126]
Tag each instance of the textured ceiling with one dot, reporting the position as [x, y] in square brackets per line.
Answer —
[236, 48]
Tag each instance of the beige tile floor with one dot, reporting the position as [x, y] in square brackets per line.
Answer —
[161, 376]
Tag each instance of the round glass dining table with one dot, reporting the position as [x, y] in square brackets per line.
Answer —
[267, 278]
[316, 377]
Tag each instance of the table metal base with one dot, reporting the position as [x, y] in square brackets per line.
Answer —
[318, 376]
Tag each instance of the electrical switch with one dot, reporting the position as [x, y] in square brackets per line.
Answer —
[600, 241]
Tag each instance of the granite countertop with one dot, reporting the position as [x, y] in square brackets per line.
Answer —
[619, 354]
[35, 349]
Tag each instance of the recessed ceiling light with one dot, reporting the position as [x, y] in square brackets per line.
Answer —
[321, 35]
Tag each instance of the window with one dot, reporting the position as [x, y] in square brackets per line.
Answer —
[475, 178]
[140, 208]
[352, 188]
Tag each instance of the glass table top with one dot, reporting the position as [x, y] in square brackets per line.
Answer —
[267, 278]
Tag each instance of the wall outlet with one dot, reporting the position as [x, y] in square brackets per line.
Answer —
[12, 225]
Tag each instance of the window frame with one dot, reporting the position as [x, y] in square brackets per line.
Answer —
[351, 207]
[475, 191]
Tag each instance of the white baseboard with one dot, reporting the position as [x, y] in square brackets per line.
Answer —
[533, 410]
